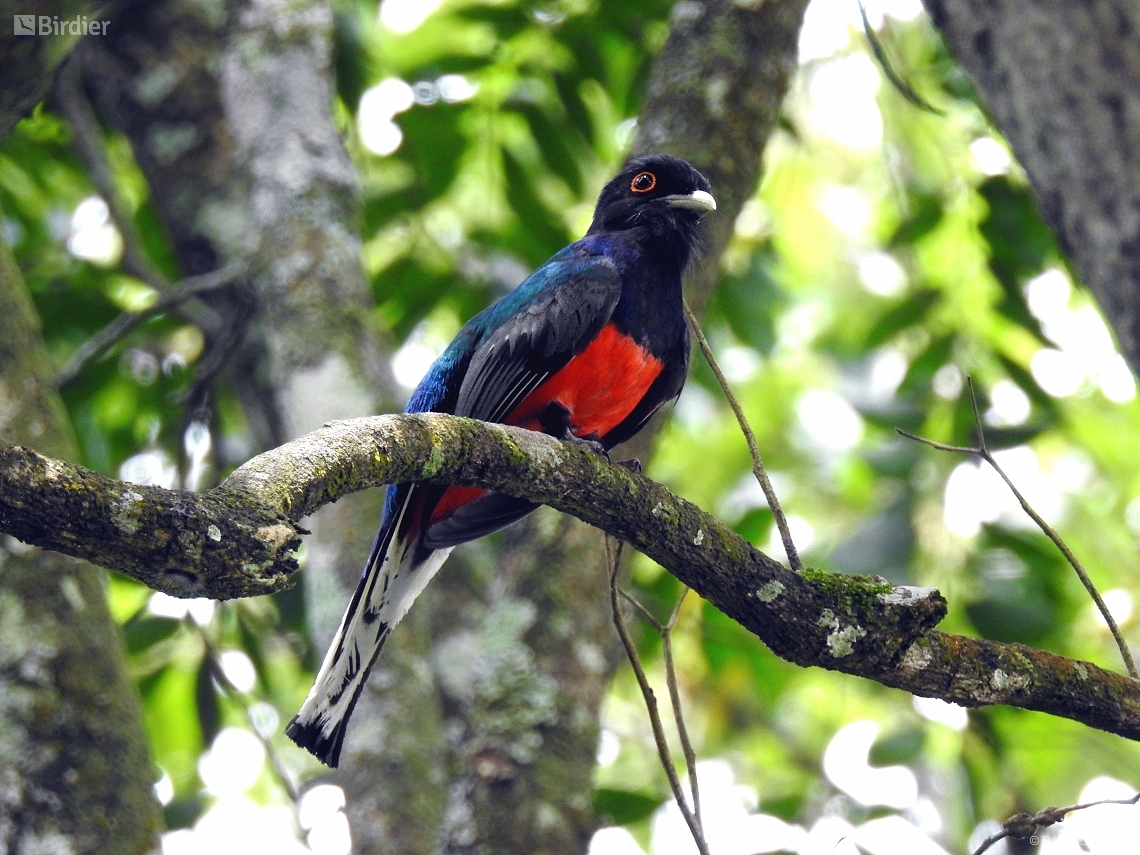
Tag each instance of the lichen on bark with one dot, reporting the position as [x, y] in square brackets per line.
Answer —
[75, 773]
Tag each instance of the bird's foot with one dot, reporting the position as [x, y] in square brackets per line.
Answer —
[591, 445]
[633, 464]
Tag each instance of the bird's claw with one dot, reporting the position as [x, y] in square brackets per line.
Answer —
[591, 445]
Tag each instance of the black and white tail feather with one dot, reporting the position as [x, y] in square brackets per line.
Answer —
[394, 576]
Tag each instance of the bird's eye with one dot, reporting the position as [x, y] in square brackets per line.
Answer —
[643, 182]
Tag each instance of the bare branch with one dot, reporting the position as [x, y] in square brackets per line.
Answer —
[675, 699]
[692, 819]
[238, 540]
[103, 340]
[666, 633]
[960, 449]
[983, 452]
[1025, 826]
[750, 438]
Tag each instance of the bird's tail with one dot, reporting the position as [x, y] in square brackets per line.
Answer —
[396, 573]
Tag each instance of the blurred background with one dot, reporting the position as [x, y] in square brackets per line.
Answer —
[891, 250]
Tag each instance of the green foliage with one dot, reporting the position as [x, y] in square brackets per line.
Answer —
[839, 316]
[620, 807]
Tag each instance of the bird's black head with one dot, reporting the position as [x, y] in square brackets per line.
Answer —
[663, 196]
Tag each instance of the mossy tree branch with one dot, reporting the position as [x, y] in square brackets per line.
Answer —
[239, 540]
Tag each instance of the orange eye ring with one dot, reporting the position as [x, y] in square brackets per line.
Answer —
[643, 182]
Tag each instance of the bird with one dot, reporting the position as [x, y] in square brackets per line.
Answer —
[586, 349]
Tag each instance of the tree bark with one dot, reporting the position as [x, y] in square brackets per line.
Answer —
[246, 165]
[1062, 82]
[856, 625]
[75, 772]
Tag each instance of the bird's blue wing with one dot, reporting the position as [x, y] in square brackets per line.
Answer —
[570, 300]
[553, 316]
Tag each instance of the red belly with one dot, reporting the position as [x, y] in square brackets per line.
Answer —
[598, 388]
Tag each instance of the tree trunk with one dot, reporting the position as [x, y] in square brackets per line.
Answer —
[520, 642]
[75, 773]
[265, 178]
[1062, 82]
[713, 99]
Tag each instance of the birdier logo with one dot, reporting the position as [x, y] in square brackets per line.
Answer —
[50, 25]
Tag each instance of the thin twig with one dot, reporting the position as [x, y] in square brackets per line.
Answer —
[983, 452]
[675, 699]
[904, 88]
[691, 819]
[749, 437]
[666, 633]
[1024, 825]
[963, 449]
[648, 615]
[103, 340]
[240, 697]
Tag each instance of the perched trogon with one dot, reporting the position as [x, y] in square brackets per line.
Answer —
[588, 347]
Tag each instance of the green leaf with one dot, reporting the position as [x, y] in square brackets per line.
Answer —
[183, 813]
[755, 525]
[1020, 244]
[920, 373]
[539, 234]
[1022, 578]
[998, 438]
[206, 702]
[902, 315]
[1046, 403]
[926, 213]
[621, 807]
[749, 303]
[435, 146]
[146, 631]
[901, 747]
[896, 457]
[561, 156]
[172, 725]
[883, 546]
[350, 58]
